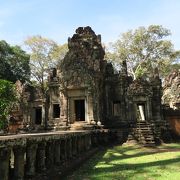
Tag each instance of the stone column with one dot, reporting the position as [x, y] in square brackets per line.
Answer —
[50, 154]
[98, 110]
[83, 143]
[107, 100]
[57, 152]
[79, 144]
[69, 148]
[63, 149]
[90, 116]
[31, 159]
[106, 137]
[43, 113]
[149, 108]
[89, 141]
[94, 139]
[41, 156]
[74, 145]
[4, 163]
[62, 105]
[86, 142]
[66, 112]
[19, 162]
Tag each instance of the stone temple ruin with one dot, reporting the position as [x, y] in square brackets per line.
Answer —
[86, 93]
[171, 101]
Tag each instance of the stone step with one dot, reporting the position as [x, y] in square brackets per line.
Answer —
[81, 126]
[143, 130]
[143, 133]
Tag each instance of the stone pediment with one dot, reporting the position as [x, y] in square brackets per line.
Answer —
[140, 87]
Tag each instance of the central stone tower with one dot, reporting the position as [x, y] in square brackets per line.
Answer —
[77, 86]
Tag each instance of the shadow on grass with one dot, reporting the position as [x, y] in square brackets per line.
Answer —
[138, 166]
[123, 152]
[89, 165]
[121, 170]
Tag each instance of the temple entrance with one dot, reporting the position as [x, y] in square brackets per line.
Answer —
[56, 111]
[140, 113]
[79, 110]
[38, 115]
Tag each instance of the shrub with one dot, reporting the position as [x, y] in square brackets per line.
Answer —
[7, 99]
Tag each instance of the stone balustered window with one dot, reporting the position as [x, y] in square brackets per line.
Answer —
[116, 108]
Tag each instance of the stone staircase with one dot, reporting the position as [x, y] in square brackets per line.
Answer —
[81, 125]
[143, 134]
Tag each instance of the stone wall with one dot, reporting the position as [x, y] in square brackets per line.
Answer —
[173, 117]
[144, 98]
[85, 92]
[171, 89]
[115, 97]
[34, 156]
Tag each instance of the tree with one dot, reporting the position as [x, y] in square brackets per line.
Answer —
[7, 99]
[14, 63]
[44, 54]
[145, 49]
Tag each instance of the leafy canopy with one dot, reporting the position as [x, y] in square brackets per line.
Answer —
[145, 49]
[7, 99]
[14, 63]
[45, 54]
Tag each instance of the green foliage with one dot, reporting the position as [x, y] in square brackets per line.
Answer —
[14, 63]
[45, 54]
[145, 49]
[7, 98]
[171, 68]
[130, 162]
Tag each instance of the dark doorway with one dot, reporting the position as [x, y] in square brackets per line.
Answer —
[141, 113]
[56, 111]
[80, 110]
[38, 115]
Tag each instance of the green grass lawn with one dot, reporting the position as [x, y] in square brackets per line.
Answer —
[132, 162]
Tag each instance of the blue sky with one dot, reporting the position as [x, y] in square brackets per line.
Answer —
[58, 19]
